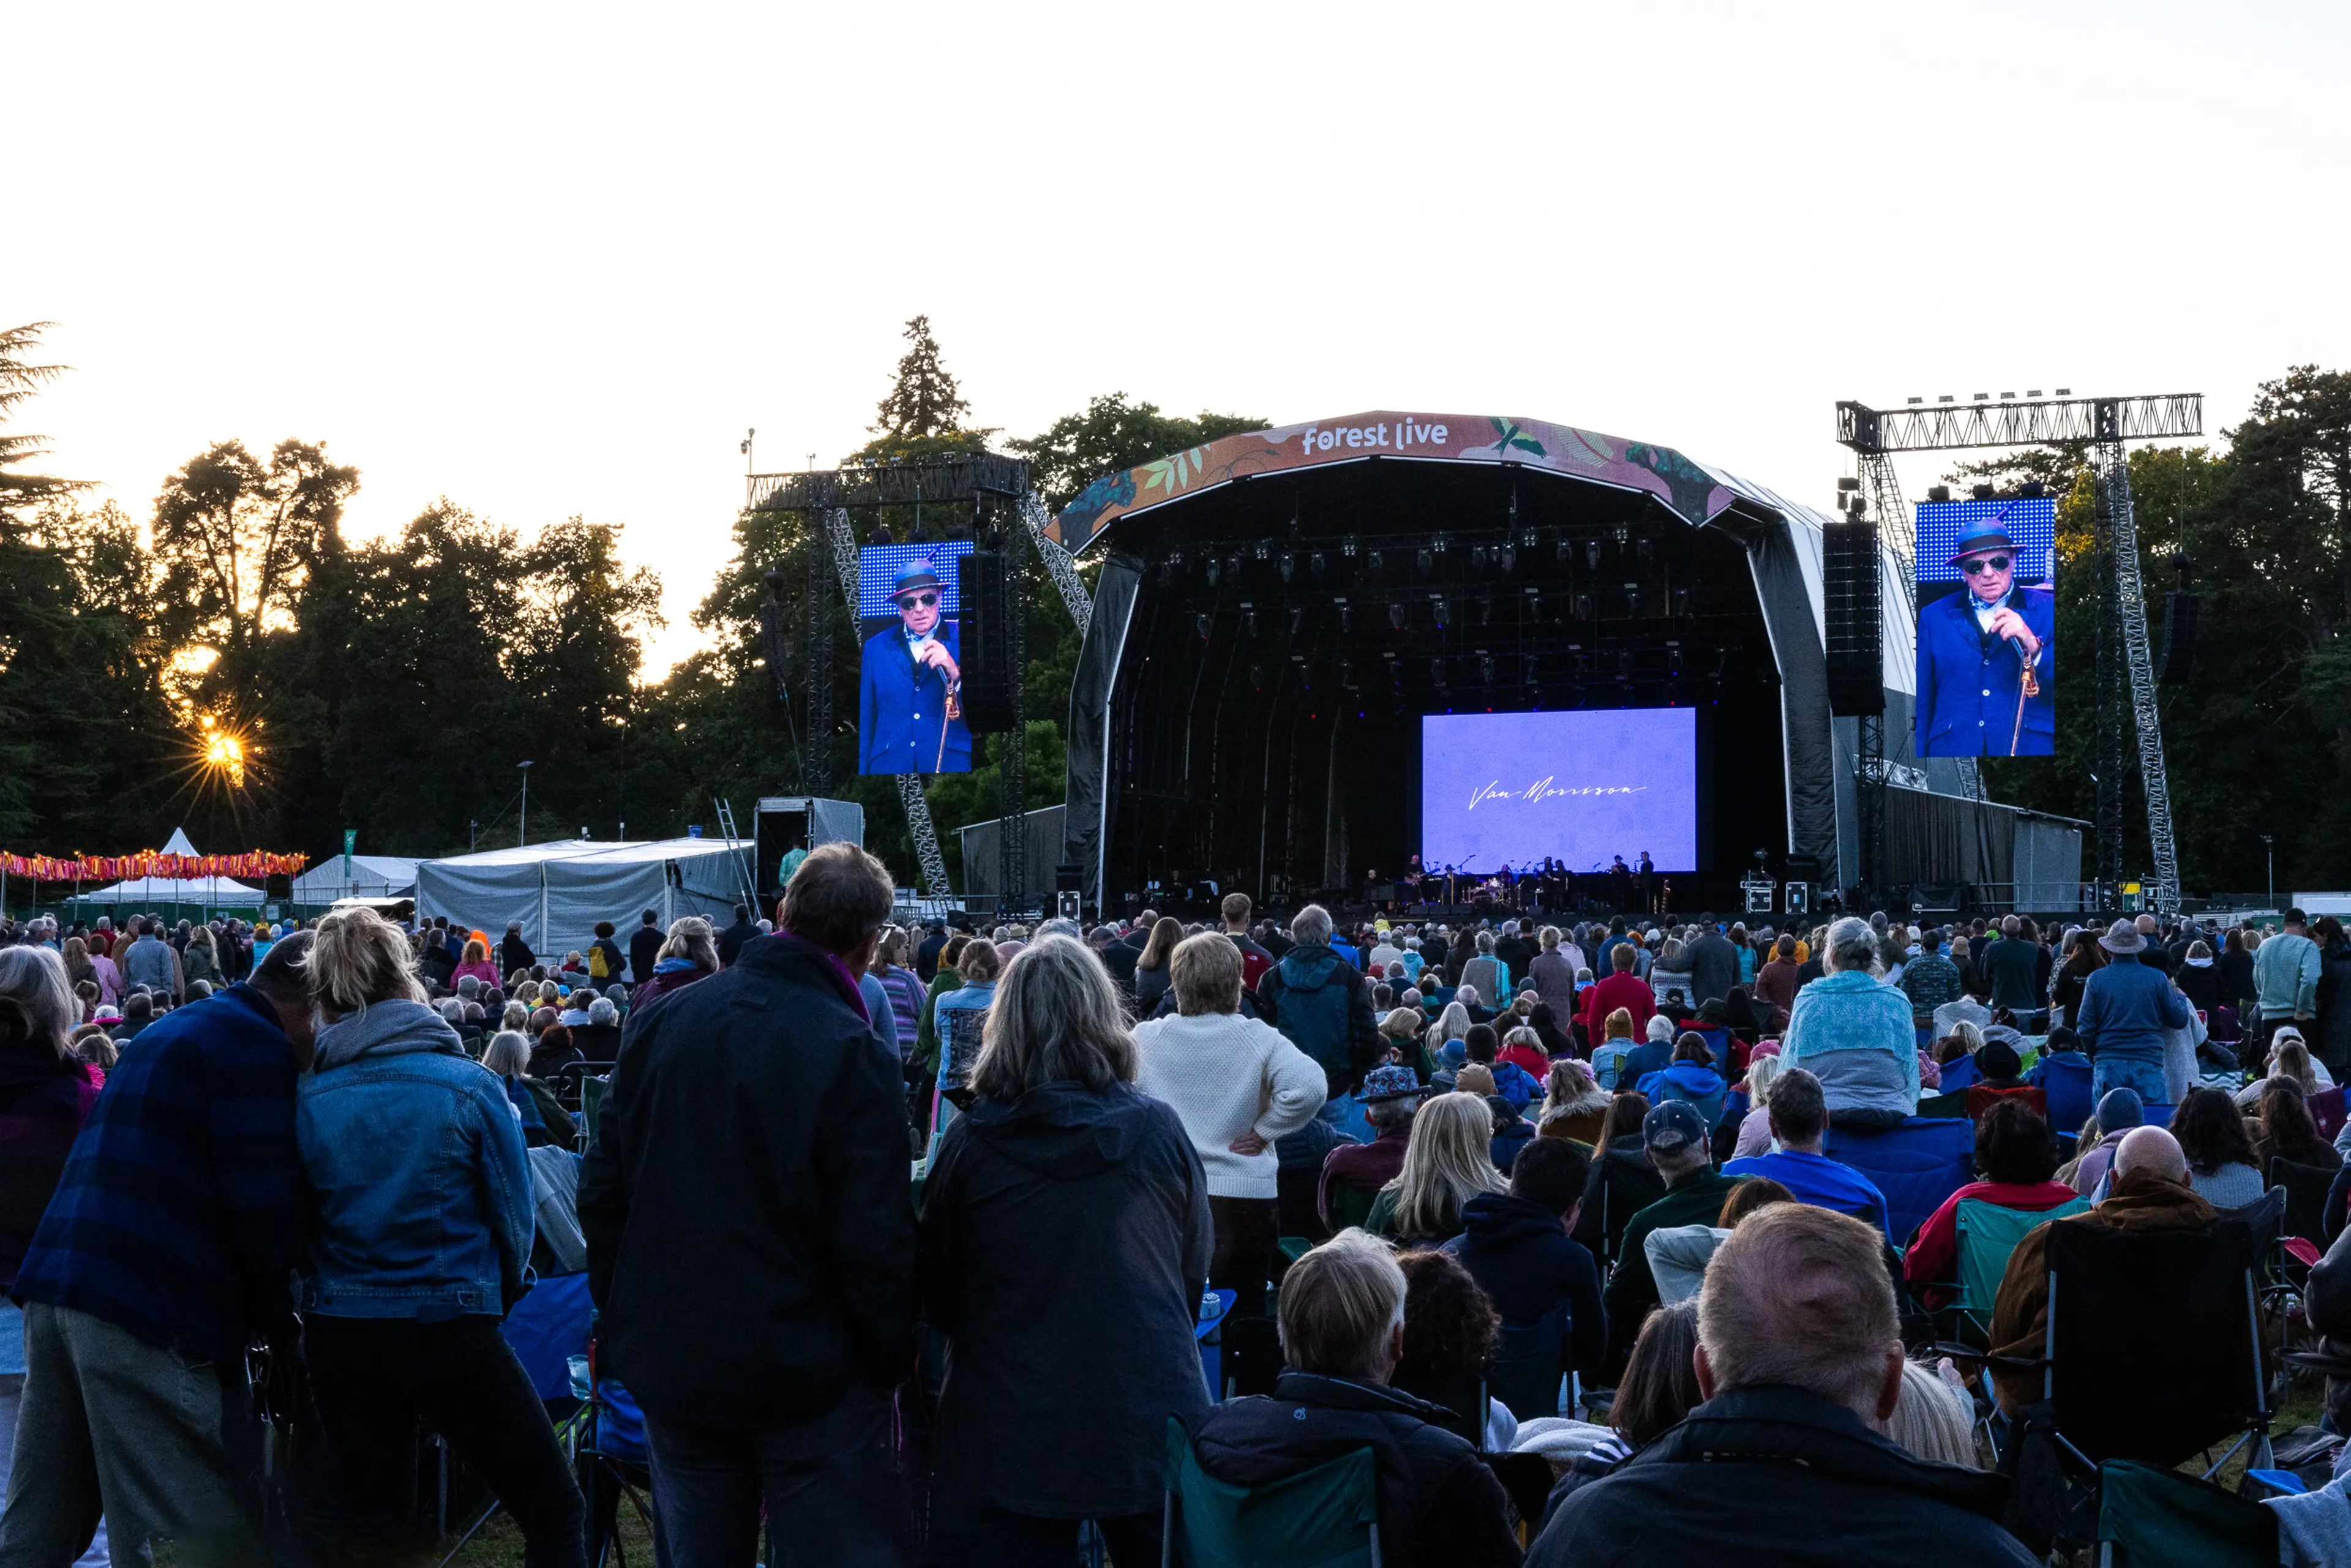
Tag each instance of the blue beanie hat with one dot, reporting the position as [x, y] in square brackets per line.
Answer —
[2118, 1109]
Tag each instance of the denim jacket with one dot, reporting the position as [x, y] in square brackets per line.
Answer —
[418, 1187]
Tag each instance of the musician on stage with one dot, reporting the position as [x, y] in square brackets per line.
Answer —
[1648, 875]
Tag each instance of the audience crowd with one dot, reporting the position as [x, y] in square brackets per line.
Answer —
[906, 1240]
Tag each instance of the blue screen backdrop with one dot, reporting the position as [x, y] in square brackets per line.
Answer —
[878, 567]
[1583, 786]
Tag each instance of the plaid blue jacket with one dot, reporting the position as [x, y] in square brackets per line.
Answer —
[175, 1217]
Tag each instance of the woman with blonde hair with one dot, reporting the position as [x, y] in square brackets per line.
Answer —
[1451, 1025]
[1573, 1105]
[1932, 1419]
[1755, 1128]
[1400, 1031]
[2291, 1063]
[1065, 1234]
[200, 960]
[688, 956]
[421, 1225]
[1448, 1162]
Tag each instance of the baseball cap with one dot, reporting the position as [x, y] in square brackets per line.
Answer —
[1672, 1126]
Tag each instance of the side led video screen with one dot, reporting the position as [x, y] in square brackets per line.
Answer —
[910, 671]
[1987, 628]
[1583, 787]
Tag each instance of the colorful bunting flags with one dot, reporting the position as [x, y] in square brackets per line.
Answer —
[252, 865]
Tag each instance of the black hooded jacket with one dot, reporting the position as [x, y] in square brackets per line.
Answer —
[1525, 1262]
[1780, 1475]
[1065, 1244]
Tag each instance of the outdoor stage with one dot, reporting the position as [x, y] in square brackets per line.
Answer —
[1299, 636]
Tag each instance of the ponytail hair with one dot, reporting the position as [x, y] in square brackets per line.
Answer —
[358, 958]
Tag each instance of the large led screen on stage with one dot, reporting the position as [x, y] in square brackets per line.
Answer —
[1987, 628]
[910, 674]
[1583, 787]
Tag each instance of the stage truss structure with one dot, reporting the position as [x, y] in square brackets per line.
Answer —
[2124, 665]
[827, 497]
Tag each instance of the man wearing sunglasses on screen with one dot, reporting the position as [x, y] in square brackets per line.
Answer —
[1987, 664]
[909, 707]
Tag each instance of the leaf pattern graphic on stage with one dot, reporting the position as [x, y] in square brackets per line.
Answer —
[1508, 437]
[1173, 473]
[1688, 485]
[1592, 451]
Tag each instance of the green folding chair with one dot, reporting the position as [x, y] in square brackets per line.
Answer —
[1987, 1235]
[1327, 1517]
[2151, 1518]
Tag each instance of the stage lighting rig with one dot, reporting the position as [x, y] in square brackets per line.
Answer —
[1251, 619]
[1507, 558]
[1204, 622]
[1396, 613]
[1215, 569]
[1428, 563]
[1289, 566]
[1320, 565]
[1591, 554]
[1444, 610]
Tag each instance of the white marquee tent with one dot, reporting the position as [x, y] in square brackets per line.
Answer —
[166, 895]
[369, 876]
[558, 891]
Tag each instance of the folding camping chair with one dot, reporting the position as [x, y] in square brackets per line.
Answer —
[1982, 1097]
[2326, 1109]
[1328, 1516]
[1528, 1365]
[1988, 1235]
[2152, 1351]
[2066, 1083]
[2305, 1197]
[1916, 1164]
[2150, 1518]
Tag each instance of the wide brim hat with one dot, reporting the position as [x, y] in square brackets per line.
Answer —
[914, 575]
[1391, 1082]
[1980, 537]
[2123, 937]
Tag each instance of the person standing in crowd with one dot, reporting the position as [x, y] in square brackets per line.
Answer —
[200, 959]
[476, 965]
[1553, 973]
[688, 956]
[1238, 1086]
[749, 1167]
[2126, 1007]
[1066, 1230]
[1800, 1363]
[150, 961]
[730, 941]
[421, 1218]
[2236, 966]
[1622, 989]
[138, 1311]
[901, 987]
[2286, 972]
[1776, 983]
[1675, 1138]
[1853, 1033]
[1255, 959]
[1929, 979]
[1343, 1328]
[1800, 1124]
[1323, 1003]
[1151, 968]
[645, 950]
[959, 1018]
[604, 959]
[1713, 961]
[2011, 967]
[514, 953]
[926, 955]
[46, 1095]
[2331, 1039]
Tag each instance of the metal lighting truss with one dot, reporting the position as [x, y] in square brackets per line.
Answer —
[2103, 424]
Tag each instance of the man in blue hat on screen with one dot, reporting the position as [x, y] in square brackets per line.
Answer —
[1987, 660]
[909, 710]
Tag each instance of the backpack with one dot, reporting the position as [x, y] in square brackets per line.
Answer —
[1313, 1011]
[596, 970]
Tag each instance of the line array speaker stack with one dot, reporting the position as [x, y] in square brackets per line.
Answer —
[2178, 638]
[1849, 582]
[986, 638]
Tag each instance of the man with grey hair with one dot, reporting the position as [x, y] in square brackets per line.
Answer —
[1853, 1033]
[1342, 1335]
[1800, 1361]
[1323, 1003]
[1057, 926]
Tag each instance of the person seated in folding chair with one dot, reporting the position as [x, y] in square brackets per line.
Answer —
[1800, 1360]
[2017, 1154]
[1342, 1334]
[1799, 1122]
[1518, 1248]
[2149, 1193]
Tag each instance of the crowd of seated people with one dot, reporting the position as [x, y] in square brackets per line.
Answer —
[1429, 1141]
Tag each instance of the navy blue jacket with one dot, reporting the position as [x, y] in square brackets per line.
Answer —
[174, 1218]
[902, 709]
[2126, 1007]
[1968, 678]
[1780, 1475]
[1527, 1264]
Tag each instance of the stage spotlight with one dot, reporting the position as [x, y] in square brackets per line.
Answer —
[1346, 616]
[1443, 611]
[1347, 673]
[1624, 537]
[1257, 676]
[1939, 493]
[1203, 621]
[1508, 558]
[1477, 557]
[1534, 604]
[1296, 619]
[1396, 613]
[1583, 605]
[1216, 569]
[1379, 562]
[1625, 666]
[1632, 600]
[1561, 549]
[1485, 612]
[1263, 549]
[1428, 563]
[1486, 667]
[1305, 676]
[1252, 624]
[1319, 565]
[1645, 549]
[1288, 565]
[1681, 603]
[1436, 672]
[1591, 554]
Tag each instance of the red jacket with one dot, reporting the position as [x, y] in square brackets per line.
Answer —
[1536, 1063]
[1933, 1259]
[1624, 990]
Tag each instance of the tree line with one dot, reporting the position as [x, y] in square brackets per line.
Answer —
[392, 685]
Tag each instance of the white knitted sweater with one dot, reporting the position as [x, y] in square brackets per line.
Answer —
[1228, 1075]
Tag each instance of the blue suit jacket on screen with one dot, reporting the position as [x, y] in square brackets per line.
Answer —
[899, 709]
[1969, 680]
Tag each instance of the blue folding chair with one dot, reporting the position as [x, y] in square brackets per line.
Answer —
[1916, 1164]
[1960, 1074]
[2066, 1079]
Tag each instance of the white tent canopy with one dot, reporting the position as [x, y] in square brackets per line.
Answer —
[156, 892]
[369, 876]
[557, 892]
